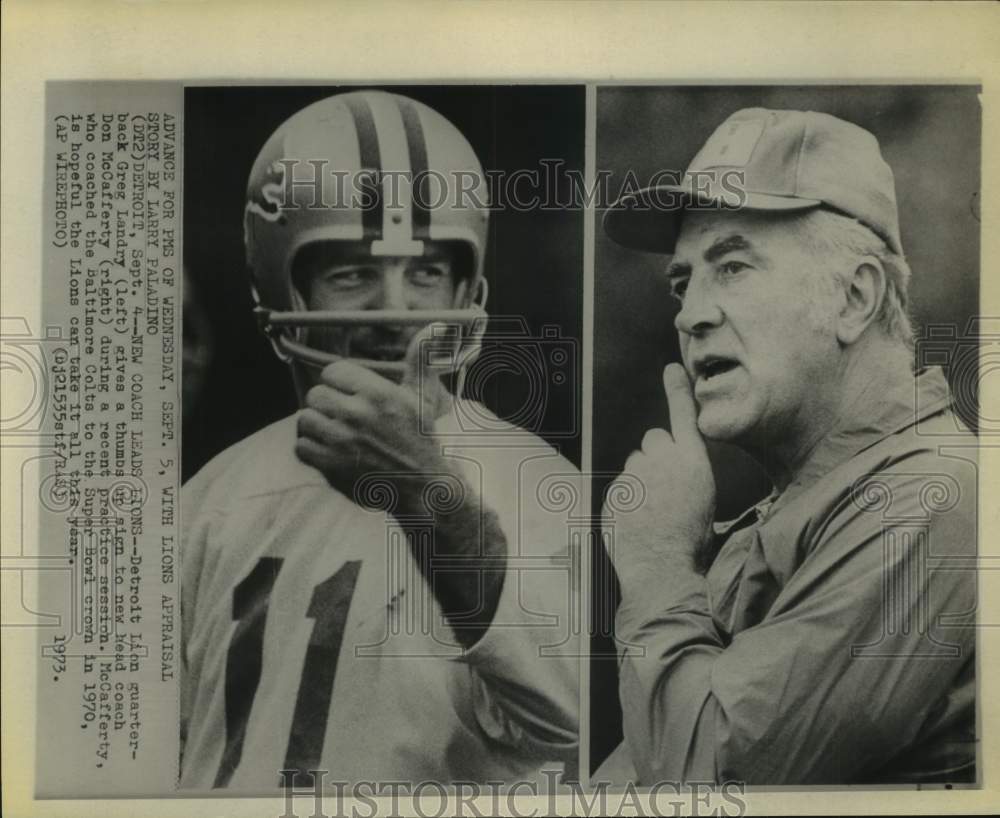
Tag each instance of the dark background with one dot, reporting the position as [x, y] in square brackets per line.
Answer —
[930, 136]
[534, 261]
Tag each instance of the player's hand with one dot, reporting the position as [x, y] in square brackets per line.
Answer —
[366, 433]
[676, 513]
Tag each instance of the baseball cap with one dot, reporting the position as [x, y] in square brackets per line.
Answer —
[765, 160]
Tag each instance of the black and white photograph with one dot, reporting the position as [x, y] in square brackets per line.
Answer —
[382, 378]
[499, 408]
[786, 382]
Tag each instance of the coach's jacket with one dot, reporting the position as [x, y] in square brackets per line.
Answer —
[833, 639]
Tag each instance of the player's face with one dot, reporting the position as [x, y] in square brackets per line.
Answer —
[345, 276]
[756, 326]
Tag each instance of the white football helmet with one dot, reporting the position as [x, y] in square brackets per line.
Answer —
[365, 166]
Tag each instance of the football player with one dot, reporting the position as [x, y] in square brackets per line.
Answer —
[370, 586]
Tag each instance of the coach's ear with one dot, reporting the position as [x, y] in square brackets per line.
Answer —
[864, 292]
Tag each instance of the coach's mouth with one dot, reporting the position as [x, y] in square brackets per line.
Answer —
[709, 367]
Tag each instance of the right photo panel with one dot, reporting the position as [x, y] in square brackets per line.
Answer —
[785, 434]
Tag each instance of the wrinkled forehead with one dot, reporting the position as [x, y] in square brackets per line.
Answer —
[704, 231]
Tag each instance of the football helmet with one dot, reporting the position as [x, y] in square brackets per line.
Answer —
[372, 167]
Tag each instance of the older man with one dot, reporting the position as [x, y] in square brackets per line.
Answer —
[832, 639]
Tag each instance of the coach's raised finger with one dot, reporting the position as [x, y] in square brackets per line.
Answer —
[680, 399]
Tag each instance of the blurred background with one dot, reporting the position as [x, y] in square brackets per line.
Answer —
[234, 384]
[930, 136]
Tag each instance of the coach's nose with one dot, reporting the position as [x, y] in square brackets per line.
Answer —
[700, 309]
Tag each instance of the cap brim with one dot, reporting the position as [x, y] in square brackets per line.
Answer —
[650, 219]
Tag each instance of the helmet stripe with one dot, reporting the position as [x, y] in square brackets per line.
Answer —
[364, 125]
[417, 147]
[397, 217]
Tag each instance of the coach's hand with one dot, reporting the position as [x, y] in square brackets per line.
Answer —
[356, 423]
[677, 509]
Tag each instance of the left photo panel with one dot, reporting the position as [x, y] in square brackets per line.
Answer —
[352, 559]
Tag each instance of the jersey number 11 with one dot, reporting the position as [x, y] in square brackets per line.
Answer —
[328, 608]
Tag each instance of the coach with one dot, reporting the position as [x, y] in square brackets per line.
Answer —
[832, 639]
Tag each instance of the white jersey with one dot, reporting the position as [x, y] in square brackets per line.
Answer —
[312, 641]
